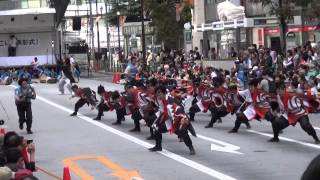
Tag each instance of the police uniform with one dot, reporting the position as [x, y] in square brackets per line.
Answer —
[23, 98]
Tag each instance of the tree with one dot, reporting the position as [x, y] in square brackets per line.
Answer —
[112, 16]
[284, 10]
[312, 9]
[163, 14]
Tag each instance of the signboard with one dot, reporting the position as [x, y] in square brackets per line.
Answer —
[134, 43]
[188, 36]
[21, 42]
[135, 28]
[292, 29]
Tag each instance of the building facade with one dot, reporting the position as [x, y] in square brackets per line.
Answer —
[32, 22]
[257, 27]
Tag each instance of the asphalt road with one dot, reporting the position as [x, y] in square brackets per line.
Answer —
[101, 151]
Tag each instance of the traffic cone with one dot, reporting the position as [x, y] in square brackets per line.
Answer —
[119, 77]
[114, 80]
[97, 67]
[66, 174]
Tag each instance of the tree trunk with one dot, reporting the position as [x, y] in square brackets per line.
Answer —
[283, 33]
[283, 28]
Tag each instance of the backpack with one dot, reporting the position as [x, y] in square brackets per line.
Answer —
[272, 86]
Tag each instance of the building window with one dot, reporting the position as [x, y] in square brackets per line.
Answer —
[210, 1]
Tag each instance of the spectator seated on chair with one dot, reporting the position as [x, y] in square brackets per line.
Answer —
[24, 74]
[5, 78]
[48, 77]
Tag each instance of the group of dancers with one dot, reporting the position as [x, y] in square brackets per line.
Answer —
[161, 104]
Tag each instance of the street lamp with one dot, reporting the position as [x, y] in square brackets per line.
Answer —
[98, 33]
[143, 42]
[119, 45]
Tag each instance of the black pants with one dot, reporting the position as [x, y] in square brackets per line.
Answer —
[12, 51]
[25, 113]
[194, 101]
[217, 113]
[102, 107]
[150, 118]
[280, 123]
[241, 118]
[120, 112]
[79, 104]
[193, 110]
[183, 134]
[136, 116]
[307, 127]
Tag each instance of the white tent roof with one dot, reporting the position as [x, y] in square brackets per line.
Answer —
[228, 11]
[34, 11]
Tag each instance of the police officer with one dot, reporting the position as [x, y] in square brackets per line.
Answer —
[23, 95]
[131, 70]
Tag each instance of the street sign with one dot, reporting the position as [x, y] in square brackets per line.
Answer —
[188, 36]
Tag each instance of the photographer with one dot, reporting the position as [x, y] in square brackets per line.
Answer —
[19, 153]
[23, 95]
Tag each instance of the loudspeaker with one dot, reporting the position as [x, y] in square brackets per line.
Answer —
[76, 23]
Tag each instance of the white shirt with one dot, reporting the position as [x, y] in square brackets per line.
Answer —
[314, 91]
[72, 60]
[246, 95]
[13, 42]
[35, 64]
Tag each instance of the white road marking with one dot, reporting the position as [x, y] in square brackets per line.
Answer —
[286, 139]
[316, 128]
[178, 158]
[221, 145]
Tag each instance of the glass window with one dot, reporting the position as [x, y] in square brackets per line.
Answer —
[34, 3]
[44, 3]
[24, 4]
[210, 1]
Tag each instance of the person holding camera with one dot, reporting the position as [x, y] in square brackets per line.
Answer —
[23, 95]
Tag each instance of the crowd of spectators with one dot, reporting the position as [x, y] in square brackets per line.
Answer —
[46, 74]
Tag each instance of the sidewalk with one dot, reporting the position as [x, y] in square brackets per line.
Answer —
[100, 76]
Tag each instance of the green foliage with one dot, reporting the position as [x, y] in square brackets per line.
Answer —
[312, 9]
[284, 8]
[163, 16]
[167, 29]
[129, 8]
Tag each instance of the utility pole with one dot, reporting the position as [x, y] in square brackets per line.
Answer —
[91, 27]
[108, 34]
[119, 42]
[98, 33]
[143, 42]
